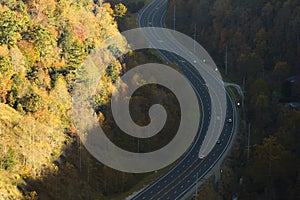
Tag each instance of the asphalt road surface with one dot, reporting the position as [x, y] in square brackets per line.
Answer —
[186, 174]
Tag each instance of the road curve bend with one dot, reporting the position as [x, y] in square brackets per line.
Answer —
[182, 179]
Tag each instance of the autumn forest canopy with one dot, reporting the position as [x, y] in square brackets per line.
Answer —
[260, 40]
[43, 44]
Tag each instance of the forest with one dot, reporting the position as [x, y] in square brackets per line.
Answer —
[258, 41]
[255, 43]
[42, 46]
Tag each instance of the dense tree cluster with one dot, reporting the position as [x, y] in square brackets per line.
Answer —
[42, 47]
[262, 39]
[43, 44]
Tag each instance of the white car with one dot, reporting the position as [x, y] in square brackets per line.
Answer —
[229, 120]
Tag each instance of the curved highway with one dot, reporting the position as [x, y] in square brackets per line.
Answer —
[184, 177]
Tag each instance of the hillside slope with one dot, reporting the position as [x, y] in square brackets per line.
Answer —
[42, 45]
[259, 42]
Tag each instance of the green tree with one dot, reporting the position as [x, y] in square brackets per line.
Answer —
[6, 68]
[271, 164]
[62, 102]
[9, 28]
[113, 71]
[6, 71]
[9, 160]
[73, 50]
[76, 53]
[32, 101]
[260, 40]
[120, 10]
[249, 65]
[281, 70]
[42, 39]
[288, 132]
[13, 96]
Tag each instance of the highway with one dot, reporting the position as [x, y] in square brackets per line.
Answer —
[185, 176]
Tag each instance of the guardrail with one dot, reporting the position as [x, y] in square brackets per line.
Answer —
[189, 193]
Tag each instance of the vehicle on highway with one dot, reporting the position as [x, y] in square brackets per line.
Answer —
[182, 184]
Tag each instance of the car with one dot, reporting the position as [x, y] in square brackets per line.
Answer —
[229, 120]
[202, 156]
[219, 142]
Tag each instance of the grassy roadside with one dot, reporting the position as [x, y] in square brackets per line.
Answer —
[127, 23]
[150, 177]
